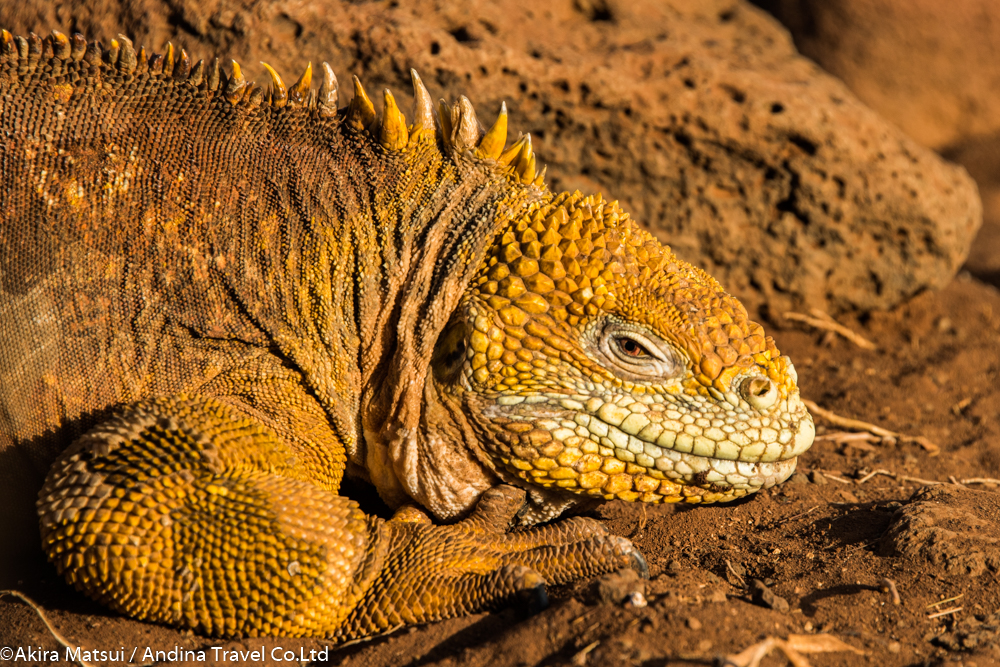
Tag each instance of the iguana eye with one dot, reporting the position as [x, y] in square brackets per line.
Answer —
[631, 348]
[633, 352]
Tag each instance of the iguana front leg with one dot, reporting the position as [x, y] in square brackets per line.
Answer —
[438, 572]
[188, 511]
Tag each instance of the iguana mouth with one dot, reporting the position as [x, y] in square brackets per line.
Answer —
[649, 450]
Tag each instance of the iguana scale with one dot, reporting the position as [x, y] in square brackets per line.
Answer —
[218, 300]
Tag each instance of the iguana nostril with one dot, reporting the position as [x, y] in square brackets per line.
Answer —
[759, 392]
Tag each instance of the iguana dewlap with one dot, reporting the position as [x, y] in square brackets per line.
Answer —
[216, 300]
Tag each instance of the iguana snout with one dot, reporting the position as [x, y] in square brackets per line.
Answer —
[593, 360]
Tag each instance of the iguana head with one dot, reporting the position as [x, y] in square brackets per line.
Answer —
[590, 359]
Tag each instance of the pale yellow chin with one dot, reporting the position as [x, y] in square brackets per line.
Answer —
[653, 452]
[693, 479]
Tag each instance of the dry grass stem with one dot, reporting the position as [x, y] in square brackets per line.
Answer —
[941, 602]
[642, 520]
[929, 482]
[41, 614]
[851, 439]
[886, 435]
[836, 479]
[820, 320]
[946, 612]
[580, 657]
[798, 516]
[736, 575]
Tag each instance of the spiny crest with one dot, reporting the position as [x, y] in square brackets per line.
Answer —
[456, 125]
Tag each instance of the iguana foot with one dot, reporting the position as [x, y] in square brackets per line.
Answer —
[435, 572]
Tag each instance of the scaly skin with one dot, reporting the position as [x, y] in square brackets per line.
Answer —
[566, 406]
[215, 302]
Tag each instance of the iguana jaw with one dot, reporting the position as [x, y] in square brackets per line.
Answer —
[643, 447]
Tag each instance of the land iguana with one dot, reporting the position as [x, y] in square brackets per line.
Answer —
[217, 300]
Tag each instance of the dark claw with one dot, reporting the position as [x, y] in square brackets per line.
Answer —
[530, 596]
[637, 562]
[635, 559]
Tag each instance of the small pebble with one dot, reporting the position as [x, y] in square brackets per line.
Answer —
[816, 477]
[693, 623]
[619, 587]
[893, 647]
[849, 497]
[798, 478]
[765, 597]
[635, 600]
[712, 579]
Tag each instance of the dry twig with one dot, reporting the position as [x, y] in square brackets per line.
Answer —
[849, 424]
[981, 480]
[946, 612]
[820, 320]
[889, 586]
[793, 648]
[880, 471]
[41, 614]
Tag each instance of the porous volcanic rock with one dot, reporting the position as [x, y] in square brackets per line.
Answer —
[931, 67]
[699, 116]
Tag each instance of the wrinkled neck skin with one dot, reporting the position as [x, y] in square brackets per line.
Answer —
[438, 464]
[426, 440]
[417, 447]
[444, 466]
